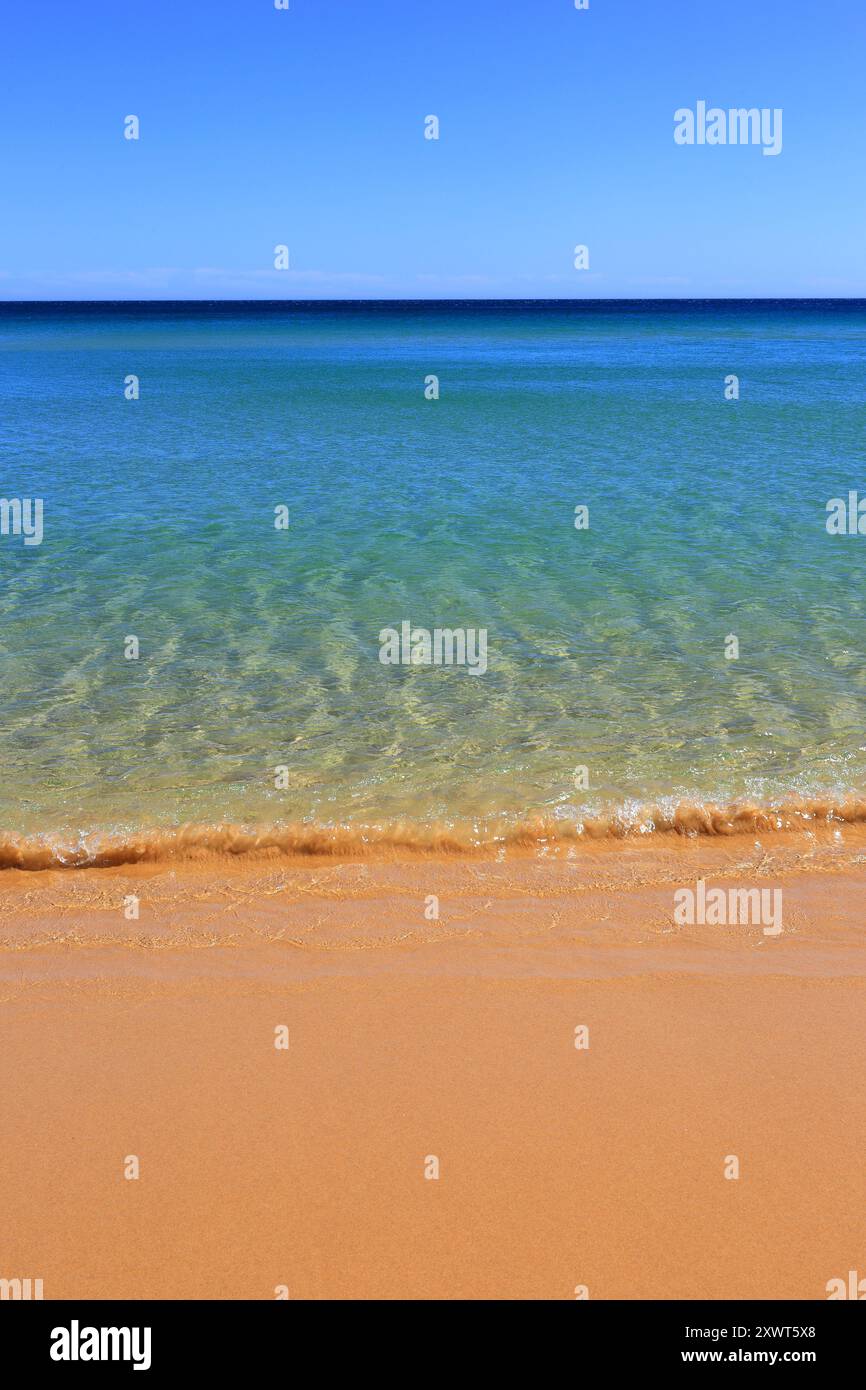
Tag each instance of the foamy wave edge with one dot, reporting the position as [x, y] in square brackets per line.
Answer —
[189, 842]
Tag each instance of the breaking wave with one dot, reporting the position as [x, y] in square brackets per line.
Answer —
[396, 839]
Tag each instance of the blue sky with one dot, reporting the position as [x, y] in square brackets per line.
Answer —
[306, 128]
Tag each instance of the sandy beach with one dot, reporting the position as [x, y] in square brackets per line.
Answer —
[412, 1038]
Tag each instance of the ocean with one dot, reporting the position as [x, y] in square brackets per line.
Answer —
[287, 486]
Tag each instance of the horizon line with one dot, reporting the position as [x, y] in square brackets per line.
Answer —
[449, 300]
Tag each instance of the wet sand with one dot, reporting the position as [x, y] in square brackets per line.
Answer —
[413, 1037]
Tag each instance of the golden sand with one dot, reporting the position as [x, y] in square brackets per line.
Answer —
[414, 1037]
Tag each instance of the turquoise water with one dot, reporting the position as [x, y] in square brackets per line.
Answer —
[259, 648]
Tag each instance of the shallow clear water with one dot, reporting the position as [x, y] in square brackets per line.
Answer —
[259, 648]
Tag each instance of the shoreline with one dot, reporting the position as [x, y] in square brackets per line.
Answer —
[598, 897]
[814, 818]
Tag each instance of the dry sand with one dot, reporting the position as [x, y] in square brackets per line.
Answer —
[409, 1038]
